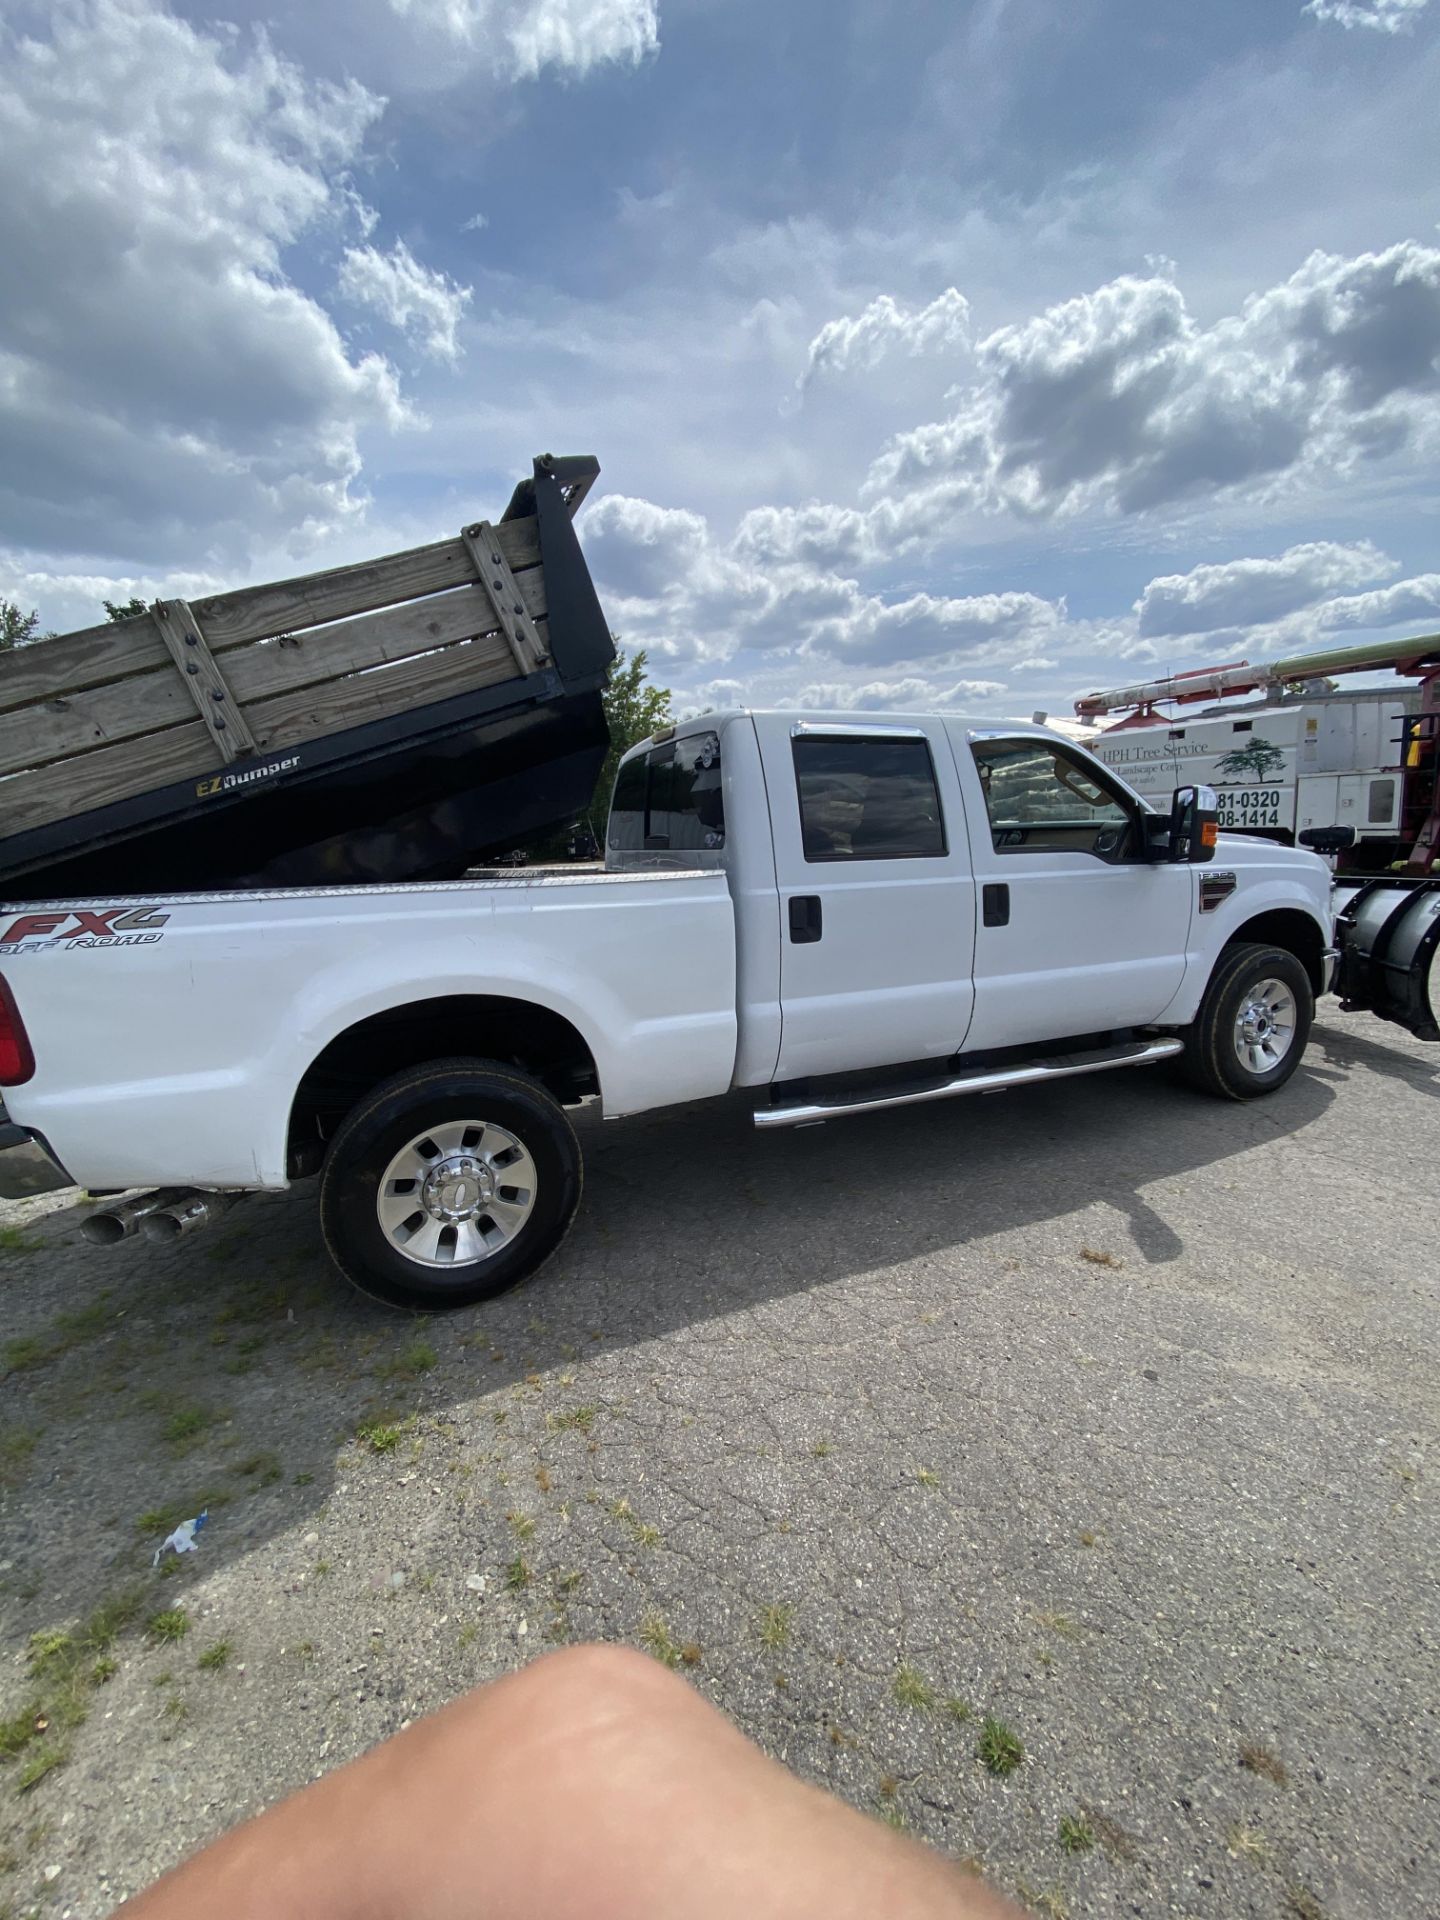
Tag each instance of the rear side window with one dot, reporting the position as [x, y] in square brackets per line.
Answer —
[868, 799]
[670, 799]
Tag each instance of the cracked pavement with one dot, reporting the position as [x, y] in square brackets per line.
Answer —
[1105, 1410]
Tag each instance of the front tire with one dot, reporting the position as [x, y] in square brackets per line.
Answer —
[1253, 1025]
[449, 1184]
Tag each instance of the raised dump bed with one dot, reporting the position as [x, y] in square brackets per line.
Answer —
[395, 720]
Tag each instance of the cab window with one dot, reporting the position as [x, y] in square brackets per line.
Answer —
[868, 799]
[670, 800]
[1041, 798]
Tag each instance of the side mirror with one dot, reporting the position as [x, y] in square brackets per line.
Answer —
[1194, 828]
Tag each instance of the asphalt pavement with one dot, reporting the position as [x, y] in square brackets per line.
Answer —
[1088, 1431]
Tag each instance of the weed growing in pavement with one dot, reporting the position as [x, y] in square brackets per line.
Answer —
[214, 1657]
[263, 1468]
[959, 1710]
[775, 1625]
[517, 1574]
[164, 1520]
[43, 1760]
[822, 1450]
[572, 1420]
[16, 1446]
[383, 1436]
[655, 1638]
[1260, 1759]
[1076, 1834]
[16, 1240]
[998, 1749]
[1301, 1903]
[416, 1359]
[65, 1666]
[912, 1689]
[926, 1477]
[1247, 1843]
[1058, 1623]
[542, 1479]
[1099, 1258]
[184, 1424]
[28, 1351]
[168, 1626]
[522, 1525]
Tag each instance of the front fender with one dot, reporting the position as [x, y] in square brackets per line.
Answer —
[1254, 895]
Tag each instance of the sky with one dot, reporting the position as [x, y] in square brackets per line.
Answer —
[958, 354]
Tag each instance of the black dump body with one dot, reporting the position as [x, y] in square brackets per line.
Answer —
[415, 794]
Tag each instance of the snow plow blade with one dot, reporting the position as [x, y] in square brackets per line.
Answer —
[1388, 932]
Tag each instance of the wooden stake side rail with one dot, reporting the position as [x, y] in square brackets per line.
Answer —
[180, 752]
[106, 714]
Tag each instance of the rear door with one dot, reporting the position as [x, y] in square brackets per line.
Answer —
[1078, 933]
[877, 899]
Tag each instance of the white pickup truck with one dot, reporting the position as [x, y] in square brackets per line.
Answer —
[842, 913]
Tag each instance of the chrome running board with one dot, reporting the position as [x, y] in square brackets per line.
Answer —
[1060, 1066]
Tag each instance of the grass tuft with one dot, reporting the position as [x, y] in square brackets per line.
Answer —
[912, 1689]
[656, 1639]
[1076, 1833]
[572, 1420]
[1256, 1758]
[167, 1627]
[998, 1749]
[43, 1760]
[1247, 1843]
[214, 1657]
[775, 1625]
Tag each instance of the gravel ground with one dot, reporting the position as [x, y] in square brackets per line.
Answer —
[1105, 1411]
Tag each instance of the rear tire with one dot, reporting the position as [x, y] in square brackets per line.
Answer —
[1253, 1025]
[415, 1203]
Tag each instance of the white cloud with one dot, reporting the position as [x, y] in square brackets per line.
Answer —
[164, 387]
[528, 36]
[423, 304]
[885, 327]
[1255, 591]
[896, 696]
[1385, 16]
[1121, 400]
[672, 587]
[1407, 602]
[477, 223]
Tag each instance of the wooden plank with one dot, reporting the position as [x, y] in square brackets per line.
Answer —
[49, 668]
[255, 612]
[203, 680]
[80, 722]
[293, 718]
[499, 585]
[181, 752]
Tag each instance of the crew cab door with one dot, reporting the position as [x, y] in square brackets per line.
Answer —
[877, 900]
[1079, 932]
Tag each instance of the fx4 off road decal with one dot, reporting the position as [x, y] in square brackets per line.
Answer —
[82, 927]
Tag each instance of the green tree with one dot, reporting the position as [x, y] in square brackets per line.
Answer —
[1256, 761]
[125, 609]
[16, 628]
[634, 709]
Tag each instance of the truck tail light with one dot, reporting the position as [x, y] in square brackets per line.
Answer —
[17, 1058]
